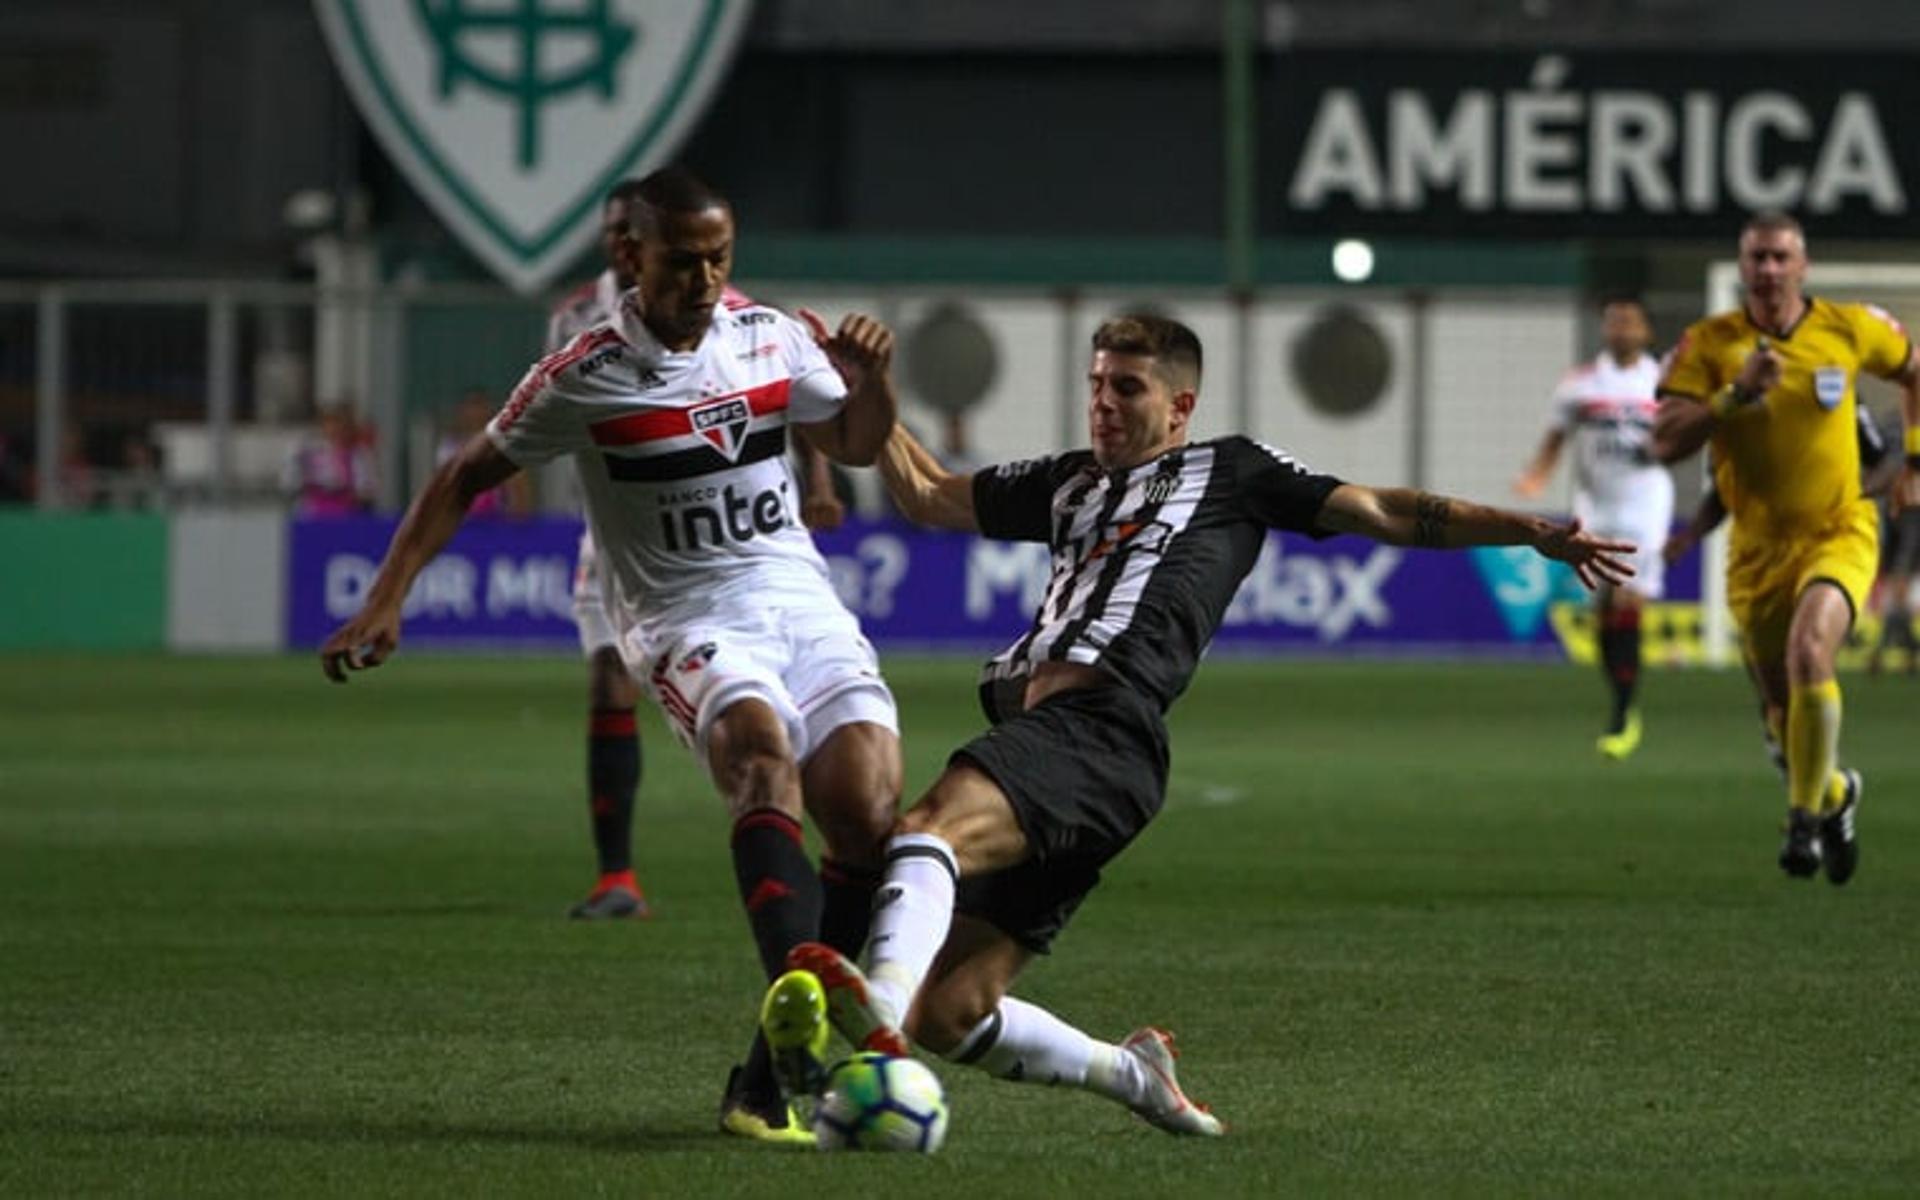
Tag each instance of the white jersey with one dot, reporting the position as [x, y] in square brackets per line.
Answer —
[1605, 411]
[681, 454]
[592, 303]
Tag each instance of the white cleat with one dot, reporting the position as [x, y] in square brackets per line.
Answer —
[1166, 1106]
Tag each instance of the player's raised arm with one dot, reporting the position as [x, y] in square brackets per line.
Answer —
[1533, 480]
[431, 521]
[1408, 517]
[923, 490]
[861, 350]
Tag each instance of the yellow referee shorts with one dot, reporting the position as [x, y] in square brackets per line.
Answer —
[1765, 576]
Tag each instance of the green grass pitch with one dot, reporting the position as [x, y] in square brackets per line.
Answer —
[264, 936]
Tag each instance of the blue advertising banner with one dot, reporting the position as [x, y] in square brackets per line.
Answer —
[505, 583]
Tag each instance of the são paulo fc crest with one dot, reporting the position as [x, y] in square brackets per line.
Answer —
[1829, 386]
[723, 423]
[513, 118]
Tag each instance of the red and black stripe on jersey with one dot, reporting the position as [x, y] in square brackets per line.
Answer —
[663, 445]
[1145, 561]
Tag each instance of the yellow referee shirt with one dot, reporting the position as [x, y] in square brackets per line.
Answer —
[1789, 464]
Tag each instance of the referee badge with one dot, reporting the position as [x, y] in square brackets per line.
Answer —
[1829, 385]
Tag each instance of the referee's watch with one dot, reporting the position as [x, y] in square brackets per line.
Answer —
[1732, 398]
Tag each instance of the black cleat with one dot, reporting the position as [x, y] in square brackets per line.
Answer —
[1839, 852]
[1800, 853]
[760, 1118]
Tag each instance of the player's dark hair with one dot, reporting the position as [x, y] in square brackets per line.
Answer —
[672, 189]
[1174, 348]
[626, 191]
[1774, 221]
[1610, 299]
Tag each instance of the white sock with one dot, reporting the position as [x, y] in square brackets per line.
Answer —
[911, 912]
[1027, 1044]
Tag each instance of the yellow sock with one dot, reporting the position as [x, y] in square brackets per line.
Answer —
[1813, 743]
[1836, 790]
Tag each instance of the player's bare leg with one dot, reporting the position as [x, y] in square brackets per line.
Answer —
[613, 779]
[1822, 800]
[1619, 611]
[751, 762]
[964, 1013]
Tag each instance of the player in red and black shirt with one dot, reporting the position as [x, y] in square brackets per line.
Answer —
[1150, 537]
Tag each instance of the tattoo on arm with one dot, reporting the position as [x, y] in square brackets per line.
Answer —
[1430, 516]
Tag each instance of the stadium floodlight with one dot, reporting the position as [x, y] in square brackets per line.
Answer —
[1352, 260]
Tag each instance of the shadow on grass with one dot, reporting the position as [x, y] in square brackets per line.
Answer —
[647, 1138]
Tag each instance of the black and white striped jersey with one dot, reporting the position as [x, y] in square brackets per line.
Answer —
[1146, 560]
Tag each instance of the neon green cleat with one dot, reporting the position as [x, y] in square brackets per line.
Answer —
[1617, 746]
[773, 1121]
[793, 1019]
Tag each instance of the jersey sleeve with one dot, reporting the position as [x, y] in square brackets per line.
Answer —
[1881, 340]
[537, 424]
[815, 390]
[1689, 372]
[1278, 490]
[1014, 501]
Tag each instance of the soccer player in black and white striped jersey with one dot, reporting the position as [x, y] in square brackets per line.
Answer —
[1151, 536]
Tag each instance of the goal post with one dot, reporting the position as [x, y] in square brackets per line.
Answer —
[1894, 287]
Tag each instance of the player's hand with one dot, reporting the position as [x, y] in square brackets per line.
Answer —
[1761, 372]
[822, 512]
[1529, 485]
[861, 348]
[364, 642]
[1595, 560]
[1678, 545]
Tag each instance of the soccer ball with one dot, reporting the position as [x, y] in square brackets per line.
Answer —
[878, 1102]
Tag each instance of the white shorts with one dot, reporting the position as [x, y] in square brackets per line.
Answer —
[592, 608]
[1647, 524]
[802, 655]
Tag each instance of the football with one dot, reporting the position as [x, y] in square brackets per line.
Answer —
[878, 1102]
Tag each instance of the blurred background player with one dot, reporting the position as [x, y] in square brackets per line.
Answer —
[1900, 557]
[331, 472]
[1771, 385]
[613, 736]
[1605, 408]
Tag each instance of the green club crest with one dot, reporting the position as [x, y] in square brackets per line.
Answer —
[513, 117]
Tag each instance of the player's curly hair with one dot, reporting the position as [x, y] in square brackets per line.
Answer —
[1174, 348]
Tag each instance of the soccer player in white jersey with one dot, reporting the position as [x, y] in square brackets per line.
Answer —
[613, 744]
[676, 414]
[1150, 537]
[1605, 409]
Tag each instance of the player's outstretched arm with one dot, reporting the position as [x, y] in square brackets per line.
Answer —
[925, 492]
[1407, 517]
[370, 638]
[862, 351]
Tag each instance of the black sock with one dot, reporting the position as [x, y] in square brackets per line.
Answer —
[1620, 659]
[613, 776]
[782, 897]
[846, 910]
[777, 885]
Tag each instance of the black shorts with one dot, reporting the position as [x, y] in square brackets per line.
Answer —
[1085, 770]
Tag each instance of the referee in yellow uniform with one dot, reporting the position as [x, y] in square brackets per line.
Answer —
[1771, 385]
